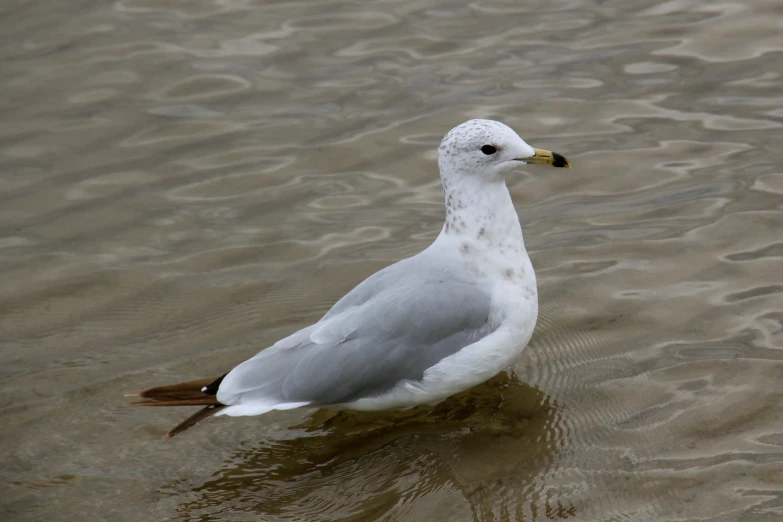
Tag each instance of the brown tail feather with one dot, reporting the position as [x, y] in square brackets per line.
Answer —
[176, 392]
[204, 401]
[201, 392]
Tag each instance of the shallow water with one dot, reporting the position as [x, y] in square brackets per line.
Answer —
[183, 183]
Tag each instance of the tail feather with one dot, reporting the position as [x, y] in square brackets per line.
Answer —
[200, 392]
[204, 401]
[180, 391]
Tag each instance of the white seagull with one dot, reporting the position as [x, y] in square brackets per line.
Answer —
[418, 331]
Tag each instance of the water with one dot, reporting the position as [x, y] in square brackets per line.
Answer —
[183, 183]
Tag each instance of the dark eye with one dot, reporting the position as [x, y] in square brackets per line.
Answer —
[488, 150]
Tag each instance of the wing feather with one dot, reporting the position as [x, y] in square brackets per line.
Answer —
[367, 346]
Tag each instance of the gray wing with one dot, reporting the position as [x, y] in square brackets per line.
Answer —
[376, 336]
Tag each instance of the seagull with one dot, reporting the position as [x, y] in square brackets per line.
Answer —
[418, 331]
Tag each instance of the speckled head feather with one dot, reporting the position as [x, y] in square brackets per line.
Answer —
[480, 150]
[474, 159]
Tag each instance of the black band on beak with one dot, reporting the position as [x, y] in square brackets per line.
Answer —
[559, 161]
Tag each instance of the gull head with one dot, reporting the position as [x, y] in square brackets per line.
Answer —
[486, 150]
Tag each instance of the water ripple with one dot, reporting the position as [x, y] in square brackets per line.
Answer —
[184, 183]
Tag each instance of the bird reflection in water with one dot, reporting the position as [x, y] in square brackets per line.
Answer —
[480, 454]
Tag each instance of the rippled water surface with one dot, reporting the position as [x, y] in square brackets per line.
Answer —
[184, 182]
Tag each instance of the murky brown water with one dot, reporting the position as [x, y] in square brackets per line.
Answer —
[184, 182]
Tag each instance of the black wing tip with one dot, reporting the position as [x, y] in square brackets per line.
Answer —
[212, 388]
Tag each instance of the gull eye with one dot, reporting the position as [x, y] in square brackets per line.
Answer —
[488, 150]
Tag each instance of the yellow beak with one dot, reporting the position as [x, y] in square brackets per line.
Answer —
[547, 157]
